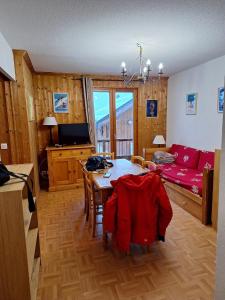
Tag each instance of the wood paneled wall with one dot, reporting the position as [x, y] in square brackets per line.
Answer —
[22, 130]
[44, 87]
[4, 126]
[147, 127]
[46, 84]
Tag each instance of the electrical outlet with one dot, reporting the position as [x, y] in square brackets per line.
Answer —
[4, 146]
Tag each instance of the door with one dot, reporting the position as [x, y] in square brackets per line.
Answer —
[62, 171]
[124, 124]
[116, 121]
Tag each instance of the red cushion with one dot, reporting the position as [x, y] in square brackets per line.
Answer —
[206, 160]
[176, 149]
[186, 156]
[189, 179]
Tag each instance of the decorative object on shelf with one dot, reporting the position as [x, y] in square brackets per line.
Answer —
[159, 140]
[152, 108]
[61, 102]
[191, 104]
[144, 69]
[50, 121]
[220, 102]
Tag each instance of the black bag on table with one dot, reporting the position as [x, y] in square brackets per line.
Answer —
[5, 176]
[97, 163]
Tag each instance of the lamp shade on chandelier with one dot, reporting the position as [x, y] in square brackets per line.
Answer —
[145, 68]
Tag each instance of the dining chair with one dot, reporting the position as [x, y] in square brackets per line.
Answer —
[95, 206]
[137, 160]
[86, 209]
[149, 165]
[109, 155]
[84, 171]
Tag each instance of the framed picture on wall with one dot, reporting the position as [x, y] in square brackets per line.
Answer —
[220, 101]
[191, 104]
[152, 108]
[61, 103]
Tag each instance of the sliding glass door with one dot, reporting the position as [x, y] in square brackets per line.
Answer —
[124, 129]
[102, 120]
[115, 121]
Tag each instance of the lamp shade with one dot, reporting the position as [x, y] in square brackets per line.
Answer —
[49, 121]
[159, 140]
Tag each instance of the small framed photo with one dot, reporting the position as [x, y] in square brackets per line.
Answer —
[191, 104]
[61, 103]
[220, 99]
[152, 108]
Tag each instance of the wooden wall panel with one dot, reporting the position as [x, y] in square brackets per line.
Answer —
[44, 87]
[47, 83]
[20, 109]
[147, 127]
[4, 127]
[31, 119]
[21, 129]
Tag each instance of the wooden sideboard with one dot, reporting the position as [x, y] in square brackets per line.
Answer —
[64, 170]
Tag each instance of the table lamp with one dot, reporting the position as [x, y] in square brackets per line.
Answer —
[159, 140]
[50, 121]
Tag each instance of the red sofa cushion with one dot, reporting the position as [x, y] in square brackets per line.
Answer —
[206, 160]
[191, 179]
[186, 156]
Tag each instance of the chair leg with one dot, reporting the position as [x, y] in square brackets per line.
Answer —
[94, 221]
[85, 200]
[87, 209]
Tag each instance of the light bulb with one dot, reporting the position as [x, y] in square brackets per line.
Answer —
[145, 69]
[160, 67]
[148, 62]
[123, 65]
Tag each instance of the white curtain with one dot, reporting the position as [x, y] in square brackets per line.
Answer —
[89, 107]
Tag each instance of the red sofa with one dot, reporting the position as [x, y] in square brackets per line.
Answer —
[188, 180]
[187, 169]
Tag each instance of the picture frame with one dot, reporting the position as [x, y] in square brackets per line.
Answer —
[220, 100]
[191, 104]
[151, 108]
[61, 103]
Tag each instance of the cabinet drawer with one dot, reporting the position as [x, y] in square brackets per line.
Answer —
[70, 153]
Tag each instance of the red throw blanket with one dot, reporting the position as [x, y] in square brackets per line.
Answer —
[138, 211]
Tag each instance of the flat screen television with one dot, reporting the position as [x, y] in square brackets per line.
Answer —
[73, 134]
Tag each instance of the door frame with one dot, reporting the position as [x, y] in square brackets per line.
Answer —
[112, 110]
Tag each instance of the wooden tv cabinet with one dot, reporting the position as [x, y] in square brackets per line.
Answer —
[64, 170]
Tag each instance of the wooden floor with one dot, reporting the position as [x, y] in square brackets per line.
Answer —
[76, 267]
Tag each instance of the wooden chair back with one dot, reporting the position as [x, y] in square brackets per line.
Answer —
[109, 155]
[148, 152]
[137, 160]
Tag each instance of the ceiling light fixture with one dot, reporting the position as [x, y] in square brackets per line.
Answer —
[144, 69]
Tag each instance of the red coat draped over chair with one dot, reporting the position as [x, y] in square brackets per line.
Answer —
[138, 211]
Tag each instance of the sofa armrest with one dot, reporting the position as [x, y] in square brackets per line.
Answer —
[148, 152]
[207, 191]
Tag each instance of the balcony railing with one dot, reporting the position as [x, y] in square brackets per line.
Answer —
[124, 147]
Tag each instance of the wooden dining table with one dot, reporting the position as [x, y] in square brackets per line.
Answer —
[103, 185]
[120, 167]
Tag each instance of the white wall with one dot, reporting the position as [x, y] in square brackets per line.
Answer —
[6, 59]
[204, 130]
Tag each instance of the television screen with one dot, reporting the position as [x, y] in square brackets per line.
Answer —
[73, 134]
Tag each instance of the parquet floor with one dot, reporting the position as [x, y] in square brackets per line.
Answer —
[76, 267]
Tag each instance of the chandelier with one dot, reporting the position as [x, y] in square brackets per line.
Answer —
[144, 69]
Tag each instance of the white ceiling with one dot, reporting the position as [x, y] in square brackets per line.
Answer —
[94, 36]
